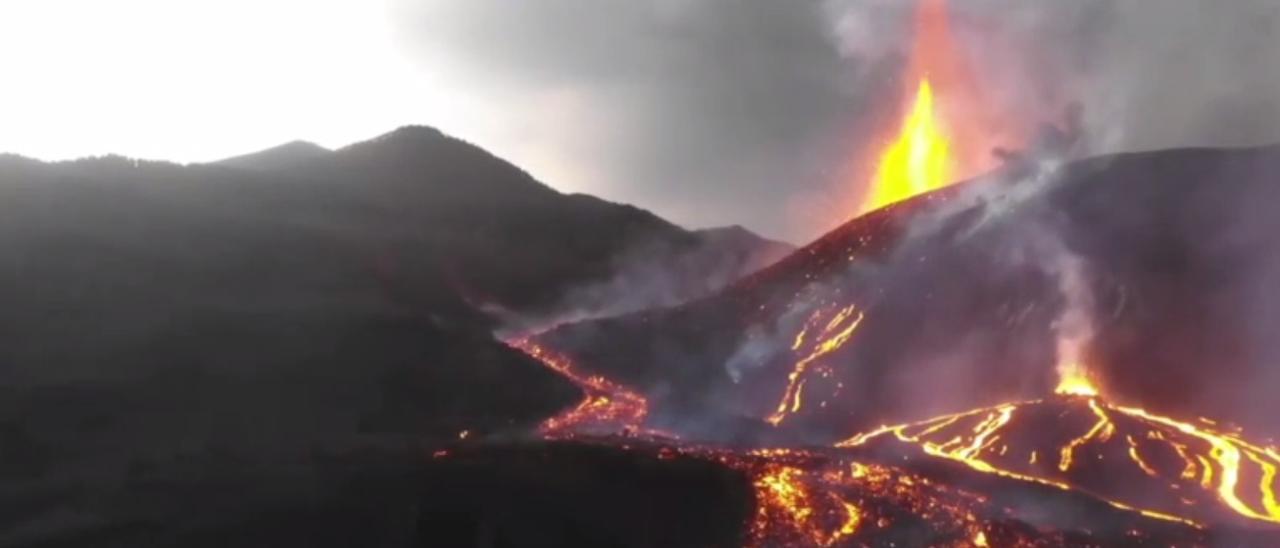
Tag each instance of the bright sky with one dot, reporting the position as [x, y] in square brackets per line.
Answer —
[671, 105]
[199, 80]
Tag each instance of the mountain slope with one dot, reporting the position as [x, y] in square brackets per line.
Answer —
[955, 300]
[213, 328]
[505, 239]
[446, 210]
[119, 270]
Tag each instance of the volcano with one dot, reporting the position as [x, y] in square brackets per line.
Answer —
[944, 315]
[944, 302]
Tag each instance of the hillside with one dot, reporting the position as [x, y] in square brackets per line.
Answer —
[118, 269]
[223, 325]
[955, 300]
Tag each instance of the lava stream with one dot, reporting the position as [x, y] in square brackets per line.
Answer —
[607, 407]
[836, 332]
[1182, 472]
[806, 498]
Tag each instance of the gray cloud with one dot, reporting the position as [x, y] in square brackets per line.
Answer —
[753, 112]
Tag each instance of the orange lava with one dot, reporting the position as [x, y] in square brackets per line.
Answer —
[1075, 381]
[834, 334]
[918, 161]
[1183, 472]
[805, 498]
[947, 127]
[607, 407]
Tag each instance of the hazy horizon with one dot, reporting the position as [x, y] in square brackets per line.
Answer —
[707, 113]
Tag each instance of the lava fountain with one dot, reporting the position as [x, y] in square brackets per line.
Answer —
[917, 161]
[947, 127]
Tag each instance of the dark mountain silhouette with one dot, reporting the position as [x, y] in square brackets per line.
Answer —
[284, 156]
[738, 241]
[279, 305]
[962, 292]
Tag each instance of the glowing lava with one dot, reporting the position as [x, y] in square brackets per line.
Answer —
[822, 498]
[919, 155]
[1181, 472]
[917, 161]
[1075, 382]
[784, 497]
[807, 498]
[607, 407]
[836, 332]
[949, 120]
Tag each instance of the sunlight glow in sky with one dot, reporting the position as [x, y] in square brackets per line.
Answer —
[199, 80]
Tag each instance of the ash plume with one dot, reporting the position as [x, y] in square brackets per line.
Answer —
[769, 102]
[1074, 327]
[1004, 221]
[1120, 59]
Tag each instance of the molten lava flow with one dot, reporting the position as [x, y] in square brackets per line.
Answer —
[834, 335]
[783, 497]
[1182, 472]
[917, 161]
[805, 498]
[1226, 451]
[823, 498]
[607, 407]
[1103, 429]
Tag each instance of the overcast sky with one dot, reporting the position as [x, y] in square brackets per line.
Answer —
[708, 112]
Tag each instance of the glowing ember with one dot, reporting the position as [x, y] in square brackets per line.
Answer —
[980, 539]
[917, 161]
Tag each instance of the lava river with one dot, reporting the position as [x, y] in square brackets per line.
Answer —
[1165, 481]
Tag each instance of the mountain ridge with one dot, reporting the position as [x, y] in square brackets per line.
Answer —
[124, 276]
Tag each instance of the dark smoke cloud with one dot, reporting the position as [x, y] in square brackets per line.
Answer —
[711, 112]
[1153, 73]
[721, 111]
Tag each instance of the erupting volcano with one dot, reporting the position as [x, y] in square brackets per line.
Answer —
[1146, 477]
[951, 300]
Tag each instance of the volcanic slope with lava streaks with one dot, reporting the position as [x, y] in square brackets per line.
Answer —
[778, 498]
[1188, 471]
[859, 494]
[825, 498]
[607, 407]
